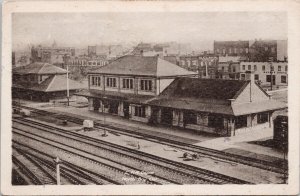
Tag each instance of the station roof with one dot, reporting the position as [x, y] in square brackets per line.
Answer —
[204, 88]
[211, 96]
[112, 95]
[39, 68]
[142, 66]
[51, 84]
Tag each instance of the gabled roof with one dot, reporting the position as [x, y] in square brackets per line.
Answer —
[211, 96]
[141, 65]
[39, 68]
[216, 89]
[51, 84]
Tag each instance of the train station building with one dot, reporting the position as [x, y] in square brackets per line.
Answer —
[154, 91]
[42, 82]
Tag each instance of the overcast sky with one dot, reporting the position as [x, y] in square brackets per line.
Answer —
[200, 29]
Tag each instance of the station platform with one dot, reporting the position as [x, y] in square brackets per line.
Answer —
[236, 144]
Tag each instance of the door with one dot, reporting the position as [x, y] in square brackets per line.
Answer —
[126, 110]
[166, 116]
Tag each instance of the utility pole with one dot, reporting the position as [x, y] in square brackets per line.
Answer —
[68, 93]
[271, 72]
[57, 162]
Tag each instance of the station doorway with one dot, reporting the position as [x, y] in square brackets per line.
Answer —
[166, 116]
[126, 109]
[113, 107]
[96, 104]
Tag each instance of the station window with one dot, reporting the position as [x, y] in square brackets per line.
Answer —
[95, 81]
[264, 68]
[244, 67]
[262, 118]
[190, 118]
[128, 83]
[146, 85]
[255, 67]
[249, 67]
[283, 79]
[241, 121]
[279, 68]
[111, 82]
[139, 111]
[256, 77]
[215, 121]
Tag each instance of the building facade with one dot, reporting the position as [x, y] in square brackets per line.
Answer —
[264, 71]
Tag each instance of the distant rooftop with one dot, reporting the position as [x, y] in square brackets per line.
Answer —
[39, 68]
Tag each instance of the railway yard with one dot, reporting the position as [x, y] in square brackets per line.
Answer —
[109, 154]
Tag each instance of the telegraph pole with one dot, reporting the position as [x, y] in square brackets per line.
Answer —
[68, 93]
[57, 162]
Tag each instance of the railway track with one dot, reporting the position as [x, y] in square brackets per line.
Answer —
[79, 156]
[277, 167]
[70, 173]
[164, 166]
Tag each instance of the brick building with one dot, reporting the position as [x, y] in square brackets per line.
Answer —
[262, 72]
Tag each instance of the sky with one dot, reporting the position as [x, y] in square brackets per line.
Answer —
[198, 28]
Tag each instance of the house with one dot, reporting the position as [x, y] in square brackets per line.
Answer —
[42, 82]
[223, 107]
[125, 85]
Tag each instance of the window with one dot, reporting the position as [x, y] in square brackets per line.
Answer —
[243, 76]
[146, 85]
[283, 79]
[215, 121]
[98, 63]
[241, 121]
[241, 50]
[224, 50]
[255, 68]
[279, 68]
[111, 82]
[263, 68]
[233, 69]
[90, 63]
[268, 79]
[235, 50]
[273, 49]
[32, 78]
[139, 111]
[249, 67]
[272, 68]
[95, 81]
[230, 51]
[244, 67]
[128, 83]
[286, 68]
[247, 50]
[256, 77]
[262, 118]
[190, 118]
[223, 69]
[194, 62]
